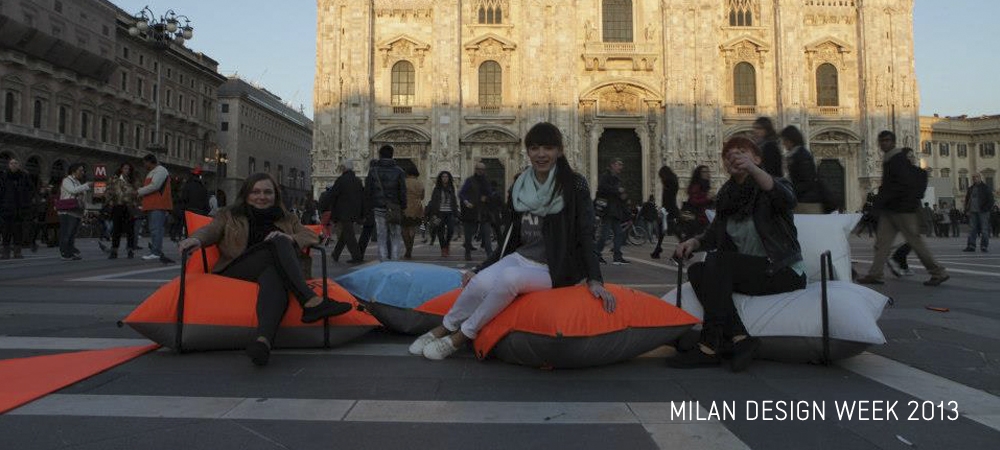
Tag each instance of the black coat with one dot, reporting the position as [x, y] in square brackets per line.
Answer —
[772, 216]
[802, 174]
[609, 188]
[473, 191]
[568, 236]
[434, 207]
[345, 199]
[668, 195]
[194, 196]
[16, 192]
[895, 193]
[772, 161]
[386, 182]
[985, 197]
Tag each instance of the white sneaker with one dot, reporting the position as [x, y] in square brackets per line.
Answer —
[439, 349]
[417, 347]
[150, 257]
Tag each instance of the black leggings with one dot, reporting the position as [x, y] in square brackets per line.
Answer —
[274, 266]
[121, 222]
[723, 273]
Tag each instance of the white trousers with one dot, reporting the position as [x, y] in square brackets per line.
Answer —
[491, 290]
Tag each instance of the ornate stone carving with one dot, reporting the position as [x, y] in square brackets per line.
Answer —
[490, 136]
[403, 47]
[489, 47]
[404, 8]
[400, 136]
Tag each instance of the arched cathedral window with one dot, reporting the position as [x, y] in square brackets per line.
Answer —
[490, 84]
[742, 12]
[617, 20]
[403, 84]
[490, 12]
[827, 90]
[744, 85]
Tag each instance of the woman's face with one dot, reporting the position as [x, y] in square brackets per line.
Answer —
[735, 154]
[78, 173]
[262, 195]
[445, 179]
[126, 170]
[543, 157]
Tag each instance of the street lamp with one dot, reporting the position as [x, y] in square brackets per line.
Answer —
[220, 159]
[160, 32]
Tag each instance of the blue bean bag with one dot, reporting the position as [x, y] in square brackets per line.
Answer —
[393, 291]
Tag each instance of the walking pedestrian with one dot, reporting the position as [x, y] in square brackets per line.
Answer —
[979, 204]
[768, 140]
[157, 202]
[668, 192]
[441, 211]
[413, 215]
[386, 190]
[898, 206]
[123, 197]
[344, 201]
[16, 192]
[548, 244]
[611, 191]
[71, 206]
[475, 195]
[802, 172]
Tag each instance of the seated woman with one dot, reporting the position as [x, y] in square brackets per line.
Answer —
[754, 250]
[548, 243]
[259, 241]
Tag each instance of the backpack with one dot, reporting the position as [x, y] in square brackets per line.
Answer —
[917, 180]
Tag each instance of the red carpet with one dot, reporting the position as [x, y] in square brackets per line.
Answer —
[27, 379]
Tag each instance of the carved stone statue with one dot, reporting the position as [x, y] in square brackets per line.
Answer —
[590, 31]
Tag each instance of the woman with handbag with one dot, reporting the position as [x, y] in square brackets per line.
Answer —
[441, 210]
[122, 196]
[549, 243]
[260, 241]
[70, 209]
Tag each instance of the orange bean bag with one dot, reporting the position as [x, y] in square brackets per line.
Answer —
[219, 313]
[568, 327]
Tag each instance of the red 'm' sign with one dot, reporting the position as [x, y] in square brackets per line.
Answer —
[100, 171]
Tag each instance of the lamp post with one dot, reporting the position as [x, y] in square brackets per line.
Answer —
[220, 159]
[159, 33]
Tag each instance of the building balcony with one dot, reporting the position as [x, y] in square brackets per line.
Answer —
[829, 111]
[38, 137]
[490, 114]
[640, 56]
[741, 111]
[402, 114]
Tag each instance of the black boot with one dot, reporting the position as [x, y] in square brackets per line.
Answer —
[656, 253]
[113, 253]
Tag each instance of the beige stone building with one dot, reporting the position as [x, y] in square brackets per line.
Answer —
[259, 133]
[651, 81]
[76, 86]
[953, 148]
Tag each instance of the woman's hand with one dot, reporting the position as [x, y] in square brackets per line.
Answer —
[275, 234]
[467, 276]
[188, 244]
[687, 248]
[597, 290]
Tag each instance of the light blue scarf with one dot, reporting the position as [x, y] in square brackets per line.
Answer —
[528, 195]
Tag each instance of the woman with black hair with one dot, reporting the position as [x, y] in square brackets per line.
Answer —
[767, 140]
[802, 172]
[669, 186]
[259, 240]
[441, 210]
[548, 243]
[122, 196]
[753, 249]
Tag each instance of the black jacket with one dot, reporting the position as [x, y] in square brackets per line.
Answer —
[434, 207]
[895, 193]
[16, 192]
[772, 161]
[345, 199]
[772, 216]
[194, 196]
[802, 174]
[985, 197]
[386, 181]
[568, 235]
[609, 188]
[473, 191]
[668, 195]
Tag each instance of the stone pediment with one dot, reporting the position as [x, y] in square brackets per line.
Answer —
[829, 43]
[403, 47]
[745, 41]
[490, 135]
[487, 47]
[402, 136]
[626, 98]
[485, 39]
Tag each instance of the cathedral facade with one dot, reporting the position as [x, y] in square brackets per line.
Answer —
[654, 82]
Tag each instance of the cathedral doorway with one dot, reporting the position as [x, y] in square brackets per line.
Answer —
[623, 143]
[831, 173]
[496, 173]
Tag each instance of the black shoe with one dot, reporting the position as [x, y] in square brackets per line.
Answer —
[259, 352]
[620, 261]
[131, 253]
[983, 249]
[324, 309]
[113, 254]
[743, 353]
[969, 249]
[355, 261]
[693, 360]
[601, 260]
[934, 281]
[335, 257]
[656, 254]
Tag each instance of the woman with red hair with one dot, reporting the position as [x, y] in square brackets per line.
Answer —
[753, 249]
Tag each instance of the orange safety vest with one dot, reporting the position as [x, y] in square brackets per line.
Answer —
[159, 200]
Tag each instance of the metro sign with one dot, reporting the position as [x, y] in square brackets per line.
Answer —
[100, 172]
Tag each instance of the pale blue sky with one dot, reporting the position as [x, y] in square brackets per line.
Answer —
[274, 43]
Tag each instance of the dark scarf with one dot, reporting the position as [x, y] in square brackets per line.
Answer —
[262, 223]
[737, 200]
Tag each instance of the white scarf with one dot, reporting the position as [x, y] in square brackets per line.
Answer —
[528, 195]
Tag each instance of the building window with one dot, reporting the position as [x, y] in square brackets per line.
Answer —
[121, 134]
[617, 17]
[253, 165]
[105, 124]
[170, 94]
[281, 175]
[62, 119]
[84, 123]
[962, 151]
[927, 148]
[9, 106]
[156, 92]
[741, 13]
[225, 126]
[490, 12]
[36, 119]
[267, 167]
[988, 150]
[124, 81]
[125, 52]
[490, 84]
[225, 107]
[139, 88]
[58, 6]
[403, 84]
[988, 176]
[744, 85]
[945, 173]
[142, 60]
[827, 92]
[944, 149]
[963, 180]
[137, 139]
[180, 102]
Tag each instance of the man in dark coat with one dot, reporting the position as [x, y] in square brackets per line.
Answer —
[978, 205]
[385, 185]
[345, 202]
[609, 188]
[16, 191]
[475, 199]
[194, 196]
[898, 207]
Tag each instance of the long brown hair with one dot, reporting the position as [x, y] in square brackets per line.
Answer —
[239, 206]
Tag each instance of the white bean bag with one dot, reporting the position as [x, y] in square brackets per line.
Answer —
[821, 232]
[790, 325]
